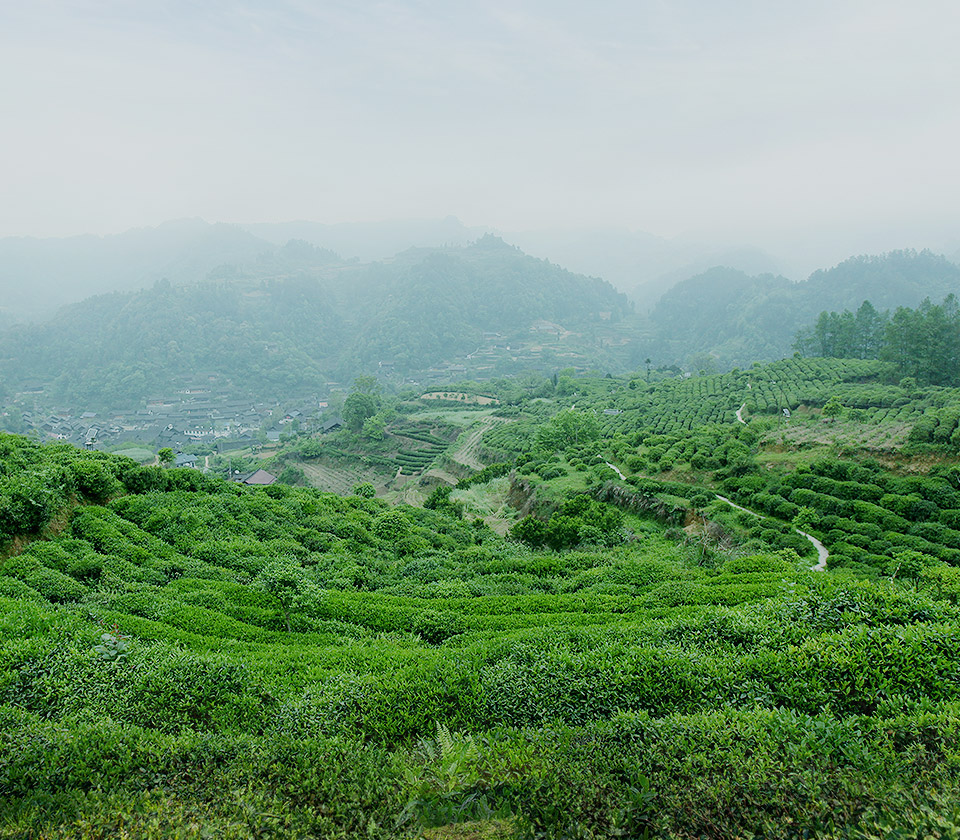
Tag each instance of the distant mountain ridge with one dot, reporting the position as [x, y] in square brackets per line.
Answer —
[37, 275]
[369, 241]
[737, 319]
[641, 265]
[201, 297]
[292, 319]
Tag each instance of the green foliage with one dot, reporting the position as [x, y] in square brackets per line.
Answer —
[292, 475]
[806, 518]
[488, 473]
[357, 408]
[439, 500]
[285, 662]
[833, 407]
[285, 579]
[922, 343]
[567, 428]
[113, 648]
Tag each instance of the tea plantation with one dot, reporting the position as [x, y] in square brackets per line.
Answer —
[183, 658]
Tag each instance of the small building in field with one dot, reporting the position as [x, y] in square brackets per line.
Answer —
[259, 478]
[334, 424]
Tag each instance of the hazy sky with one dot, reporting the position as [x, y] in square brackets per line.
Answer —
[745, 119]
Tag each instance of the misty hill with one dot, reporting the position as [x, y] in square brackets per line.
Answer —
[738, 319]
[488, 287]
[723, 312]
[126, 346]
[640, 264]
[36, 275]
[291, 320]
[368, 241]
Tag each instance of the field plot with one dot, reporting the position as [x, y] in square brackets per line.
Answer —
[460, 397]
[139, 454]
[456, 417]
[466, 451]
[675, 406]
[337, 478]
[883, 437]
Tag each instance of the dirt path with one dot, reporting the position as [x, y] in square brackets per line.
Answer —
[467, 447]
[620, 475]
[822, 553]
[740, 414]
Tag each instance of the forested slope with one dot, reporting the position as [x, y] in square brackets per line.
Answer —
[293, 320]
[740, 319]
[120, 348]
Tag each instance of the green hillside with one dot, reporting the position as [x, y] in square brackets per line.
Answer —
[119, 349]
[738, 319]
[180, 657]
[291, 321]
[441, 306]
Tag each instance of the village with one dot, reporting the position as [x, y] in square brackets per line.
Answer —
[209, 414]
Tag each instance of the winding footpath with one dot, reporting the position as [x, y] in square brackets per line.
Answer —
[822, 553]
[620, 475]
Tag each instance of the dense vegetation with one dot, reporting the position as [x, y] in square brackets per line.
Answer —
[922, 343]
[179, 652]
[298, 316]
[722, 605]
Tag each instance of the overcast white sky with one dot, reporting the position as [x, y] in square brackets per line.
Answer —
[753, 120]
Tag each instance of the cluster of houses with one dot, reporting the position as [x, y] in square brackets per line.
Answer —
[192, 423]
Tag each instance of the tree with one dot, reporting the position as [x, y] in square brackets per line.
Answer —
[806, 519]
[357, 408]
[870, 326]
[833, 408]
[367, 385]
[566, 428]
[286, 580]
[924, 343]
[374, 427]
[530, 530]
[166, 456]
[292, 475]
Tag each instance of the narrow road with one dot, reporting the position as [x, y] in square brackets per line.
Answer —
[822, 553]
[620, 475]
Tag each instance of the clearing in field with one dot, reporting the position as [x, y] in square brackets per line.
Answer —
[460, 397]
[339, 479]
[884, 437]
